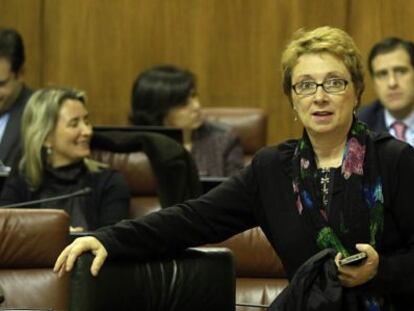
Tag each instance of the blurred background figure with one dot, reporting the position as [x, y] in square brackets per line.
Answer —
[56, 136]
[13, 94]
[167, 96]
[391, 65]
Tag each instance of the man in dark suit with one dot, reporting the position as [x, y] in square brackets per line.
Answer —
[391, 65]
[13, 94]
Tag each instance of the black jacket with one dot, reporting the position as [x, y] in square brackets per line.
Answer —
[10, 145]
[262, 194]
[373, 116]
[107, 203]
[314, 287]
[174, 168]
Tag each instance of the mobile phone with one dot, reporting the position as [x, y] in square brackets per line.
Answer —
[353, 260]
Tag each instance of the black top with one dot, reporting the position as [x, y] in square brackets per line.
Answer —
[262, 194]
[107, 203]
[373, 116]
[217, 151]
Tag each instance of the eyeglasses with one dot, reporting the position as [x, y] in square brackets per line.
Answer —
[331, 86]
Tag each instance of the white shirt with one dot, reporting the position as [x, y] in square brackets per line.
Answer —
[4, 119]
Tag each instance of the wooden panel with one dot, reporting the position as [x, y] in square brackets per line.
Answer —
[25, 17]
[366, 31]
[370, 21]
[233, 46]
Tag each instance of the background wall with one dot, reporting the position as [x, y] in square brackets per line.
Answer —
[233, 46]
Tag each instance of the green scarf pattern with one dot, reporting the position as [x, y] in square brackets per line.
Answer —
[362, 183]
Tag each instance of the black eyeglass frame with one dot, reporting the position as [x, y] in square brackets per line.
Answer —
[346, 82]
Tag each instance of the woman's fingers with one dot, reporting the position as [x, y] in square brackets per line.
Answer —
[372, 255]
[338, 257]
[60, 261]
[67, 258]
[75, 251]
[351, 276]
[76, 229]
[98, 261]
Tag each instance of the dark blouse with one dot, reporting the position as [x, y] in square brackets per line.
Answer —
[107, 203]
[216, 150]
[262, 194]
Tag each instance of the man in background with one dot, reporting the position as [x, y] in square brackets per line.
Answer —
[13, 94]
[391, 65]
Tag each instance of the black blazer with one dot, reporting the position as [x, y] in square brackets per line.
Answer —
[10, 145]
[373, 116]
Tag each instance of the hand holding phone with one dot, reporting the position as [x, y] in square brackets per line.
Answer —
[354, 259]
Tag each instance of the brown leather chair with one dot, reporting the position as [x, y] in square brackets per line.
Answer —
[250, 124]
[30, 241]
[137, 171]
[260, 276]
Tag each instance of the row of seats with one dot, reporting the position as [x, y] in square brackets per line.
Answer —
[33, 238]
[259, 273]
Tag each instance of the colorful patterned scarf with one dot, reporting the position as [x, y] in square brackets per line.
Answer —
[360, 216]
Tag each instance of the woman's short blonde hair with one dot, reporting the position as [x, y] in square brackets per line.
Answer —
[39, 119]
[323, 39]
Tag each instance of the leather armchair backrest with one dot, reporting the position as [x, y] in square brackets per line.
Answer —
[134, 166]
[30, 241]
[196, 279]
[250, 124]
[138, 173]
[255, 256]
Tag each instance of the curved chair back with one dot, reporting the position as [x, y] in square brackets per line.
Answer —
[30, 242]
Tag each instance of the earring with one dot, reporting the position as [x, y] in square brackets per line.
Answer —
[354, 111]
[295, 118]
[49, 151]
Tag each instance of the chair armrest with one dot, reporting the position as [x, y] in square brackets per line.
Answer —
[196, 279]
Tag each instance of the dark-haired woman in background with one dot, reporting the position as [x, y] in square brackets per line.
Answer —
[166, 96]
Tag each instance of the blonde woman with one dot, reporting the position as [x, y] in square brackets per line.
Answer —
[56, 134]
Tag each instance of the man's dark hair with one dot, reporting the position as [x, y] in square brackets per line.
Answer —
[157, 90]
[388, 45]
[12, 48]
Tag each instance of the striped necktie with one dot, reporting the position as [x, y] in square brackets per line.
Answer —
[400, 128]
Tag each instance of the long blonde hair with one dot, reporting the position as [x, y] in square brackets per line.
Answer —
[39, 119]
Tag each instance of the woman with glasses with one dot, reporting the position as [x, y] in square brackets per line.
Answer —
[337, 191]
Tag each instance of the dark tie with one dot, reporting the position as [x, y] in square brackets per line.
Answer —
[400, 128]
